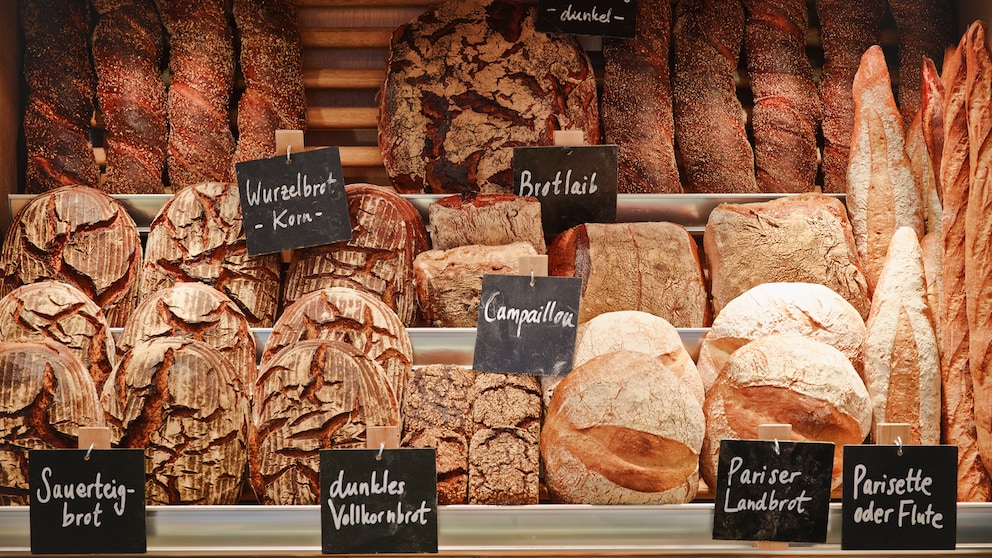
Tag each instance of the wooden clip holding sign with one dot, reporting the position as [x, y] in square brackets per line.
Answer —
[893, 433]
[776, 432]
[94, 437]
[533, 266]
[382, 437]
[569, 138]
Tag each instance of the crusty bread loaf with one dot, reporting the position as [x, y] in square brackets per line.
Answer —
[182, 402]
[312, 395]
[79, 235]
[808, 309]
[46, 394]
[786, 379]
[932, 127]
[490, 219]
[902, 366]
[387, 233]
[437, 413]
[198, 235]
[802, 239]
[449, 282]
[623, 266]
[933, 262]
[62, 313]
[925, 28]
[622, 428]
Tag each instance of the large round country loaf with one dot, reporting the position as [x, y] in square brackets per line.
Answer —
[62, 313]
[312, 395]
[79, 235]
[490, 219]
[198, 235]
[46, 394]
[622, 428]
[467, 82]
[183, 403]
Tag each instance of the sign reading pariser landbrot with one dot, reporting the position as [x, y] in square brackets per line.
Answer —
[294, 201]
[87, 502]
[608, 18]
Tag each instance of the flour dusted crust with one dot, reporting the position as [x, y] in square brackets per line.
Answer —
[489, 219]
[467, 82]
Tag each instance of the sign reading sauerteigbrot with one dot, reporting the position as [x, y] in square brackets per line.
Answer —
[608, 18]
[527, 324]
[87, 501]
[378, 501]
[293, 201]
[773, 491]
[900, 497]
[575, 184]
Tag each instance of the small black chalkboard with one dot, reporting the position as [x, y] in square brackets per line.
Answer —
[575, 184]
[87, 504]
[900, 502]
[378, 501]
[773, 491]
[527, 324]
[293, 202]
[608, 18]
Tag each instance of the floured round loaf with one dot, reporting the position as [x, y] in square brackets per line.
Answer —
[195, 311]
[198, 236]
[312, 395]
[442, 125]
[622, 428]
[387, 233]
[62, 313]
[79, 235]
[808, 309]
[786, 379]
[182, 402]
[351, 317]
[46, 394]
[490, 219]
[449, 282]
[437, 413]
[802, 239]
[653, 267]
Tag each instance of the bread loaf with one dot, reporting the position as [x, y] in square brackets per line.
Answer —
[60, 312]
[652, 267]
[387, 233]
[46, 394]
[437, 413]
[489, 219]
[902, 366]
[924, 31]
[198, 235]
[79, 235]
[786, 379]
[932, 247]
[808, 309]
[922, 166]
[636, 80]
[183, 403]
[449, 282]
[622, 428]
[797, 239]
[312, 395]
[441, 128]
[932, 123]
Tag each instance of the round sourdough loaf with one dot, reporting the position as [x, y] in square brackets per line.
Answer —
[183, 403]
[198, 236]
[622, 429]
[62, 313]
[786, 379]
[312, 395]
[82, 236]
[46, 394]
[809, 309]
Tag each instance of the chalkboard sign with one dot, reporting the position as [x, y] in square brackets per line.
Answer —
[900, 502]
[527, 324]
[575, 184]
[293, 202]
[773, 491]
[87, 501]
[378, 501]
[608, 18]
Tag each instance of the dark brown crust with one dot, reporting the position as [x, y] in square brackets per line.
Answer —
[924, 30]
[61, 86]
[128, 49]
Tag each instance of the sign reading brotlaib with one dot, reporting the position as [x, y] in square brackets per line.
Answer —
[293, 201]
